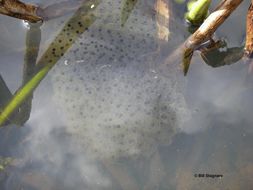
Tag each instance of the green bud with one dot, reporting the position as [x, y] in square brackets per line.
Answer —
[197, 11]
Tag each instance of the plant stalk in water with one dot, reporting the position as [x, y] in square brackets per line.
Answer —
[23, 94]
[33, 38]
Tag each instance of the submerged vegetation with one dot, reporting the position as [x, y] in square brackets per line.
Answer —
[197, 12]
[83, 19]
[127, 8]
[5, 162]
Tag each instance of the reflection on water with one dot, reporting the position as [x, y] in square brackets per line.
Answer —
[107, 117]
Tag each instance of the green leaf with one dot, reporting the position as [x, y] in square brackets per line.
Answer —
[127, 8]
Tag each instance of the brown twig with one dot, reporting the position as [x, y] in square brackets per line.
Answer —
[211, 24]
[206, 30]
[17, 9]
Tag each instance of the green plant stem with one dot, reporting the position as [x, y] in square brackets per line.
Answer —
[23, 93]
[33, 38]
[81, 20]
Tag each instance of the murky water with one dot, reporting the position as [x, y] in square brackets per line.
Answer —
[111, 115]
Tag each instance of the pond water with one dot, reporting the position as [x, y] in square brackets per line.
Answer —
[116, 113]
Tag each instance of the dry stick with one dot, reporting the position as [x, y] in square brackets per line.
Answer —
[207, 29]
[17, 9]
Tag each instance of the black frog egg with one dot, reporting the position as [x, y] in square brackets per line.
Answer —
[114, 105]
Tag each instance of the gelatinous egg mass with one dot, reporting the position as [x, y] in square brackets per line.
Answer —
[115, 102]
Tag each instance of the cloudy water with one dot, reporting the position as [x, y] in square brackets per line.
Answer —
[115, 112]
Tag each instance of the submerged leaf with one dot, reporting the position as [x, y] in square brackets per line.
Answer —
[187, 56]
[33, 38]
[127, 8]
[5, 93]
[79, 23]
[217, 58]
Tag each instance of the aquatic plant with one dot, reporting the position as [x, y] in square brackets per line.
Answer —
[5, 162]
[20, 113]
[206, 30]
[83, 18]
[127, 8]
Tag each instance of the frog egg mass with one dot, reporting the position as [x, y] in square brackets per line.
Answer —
[115, 102]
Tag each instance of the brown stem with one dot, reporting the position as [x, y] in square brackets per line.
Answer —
[17, 9]
[206, 30]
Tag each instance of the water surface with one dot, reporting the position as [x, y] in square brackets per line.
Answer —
[108, 117]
